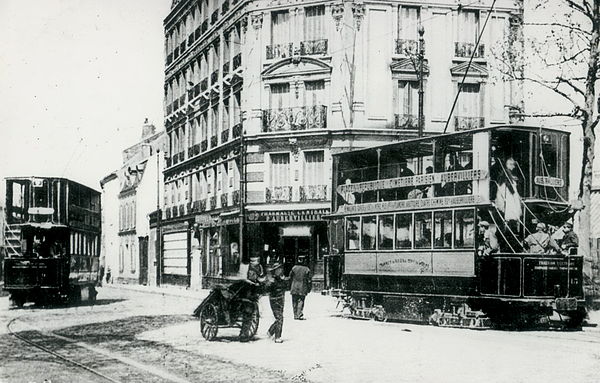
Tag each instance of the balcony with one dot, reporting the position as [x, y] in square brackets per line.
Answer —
[235, 197]
[278, 194]
[182, 46]
[225, 7]
[175, 53]
[279, 51]
[203, 145]
[406, 121]
[175, 105]
[213, 202]
[225, 136]
[214, 77]
[169, 109]
[237, 130]
[465, 50]
[204, 85]
[191, 39]
[190, 152]
[224, 200]
[214, 17]
[197, 33]
[468, 123]
[407, 47]
[313, 47]
[175, 211]
[182, 101]
[214, 141]
[168, 213]
[181, 210]
[226, 68]
[299, 118]
[175, 160]
[237, 61]
[313, 193]
[169, 162]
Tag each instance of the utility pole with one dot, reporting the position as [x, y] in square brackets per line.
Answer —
[158, 217]
[421, 58]
[242, 242]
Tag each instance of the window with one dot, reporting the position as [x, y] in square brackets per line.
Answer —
[443, 229]
[464, 229]
[403, 231]
[132, 258]
[352, 233]
[314, 23]
[314, 93]
[121, 258]
[280, 169]
[386, 232]
[313, 168]
[369, 232]
[408, 97]
[423, 230]
[469, 101]
[468, 29]
[408, 23]
[280, 96]
[280, 27]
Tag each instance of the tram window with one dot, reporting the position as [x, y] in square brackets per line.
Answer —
[40, 193]
[549, 151]
[386, 232]
[353, 233]
[443, 229]
[403, 231]
[18, 195]
[464, 229]
[423, 230]
[369, 231]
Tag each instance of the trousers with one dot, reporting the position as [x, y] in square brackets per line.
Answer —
[277, 304]
[298, 305]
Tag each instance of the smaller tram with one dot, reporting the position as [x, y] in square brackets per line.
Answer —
[439, 229]
[52, 240]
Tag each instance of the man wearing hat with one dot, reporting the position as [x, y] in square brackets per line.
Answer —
[566, 237]
[301, 285]
[540, 242]
[277, 286]
[490, 241]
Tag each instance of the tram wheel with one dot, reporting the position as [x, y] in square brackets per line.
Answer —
[250, 324]
[209, 322]
[18, 300]
[379, 314]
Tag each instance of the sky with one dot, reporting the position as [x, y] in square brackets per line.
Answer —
[77, 80]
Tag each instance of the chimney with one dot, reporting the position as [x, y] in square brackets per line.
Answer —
[147, 130]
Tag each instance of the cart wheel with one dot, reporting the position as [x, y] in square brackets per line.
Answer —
[250, 324]
[209, 322]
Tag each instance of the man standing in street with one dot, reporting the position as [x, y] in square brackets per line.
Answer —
[276, 289]
[301, 285]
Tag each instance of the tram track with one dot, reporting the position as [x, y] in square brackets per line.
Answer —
[75, 352]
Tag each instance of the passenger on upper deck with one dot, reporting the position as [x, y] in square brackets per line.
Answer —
[540, 242]
[451, 165]
[508, 200]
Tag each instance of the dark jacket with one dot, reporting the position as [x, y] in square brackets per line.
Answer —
[301, 280]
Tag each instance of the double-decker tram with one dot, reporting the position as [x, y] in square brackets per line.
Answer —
[459, 229]
[52, 240]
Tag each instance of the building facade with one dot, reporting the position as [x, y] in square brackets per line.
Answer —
[130, 195]
[259, 94]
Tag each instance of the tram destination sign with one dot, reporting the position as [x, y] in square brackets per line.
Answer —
[411, 204]
[421, 179]
[549, 181]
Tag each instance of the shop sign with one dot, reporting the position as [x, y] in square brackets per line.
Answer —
[287, 215]
[421, 179]
[411, 204]
[549, 181]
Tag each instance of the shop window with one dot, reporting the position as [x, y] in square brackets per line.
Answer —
[423, 230]
[464, 229]
[369, 232]
[443, 229]
[403, 231]
[353, 233]
[386, 232]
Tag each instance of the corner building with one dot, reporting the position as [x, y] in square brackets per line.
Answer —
[288, 83]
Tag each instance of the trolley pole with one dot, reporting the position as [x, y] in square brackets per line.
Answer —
[421, 57]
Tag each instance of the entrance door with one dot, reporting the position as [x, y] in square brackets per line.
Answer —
[143, 252]
[293, 248]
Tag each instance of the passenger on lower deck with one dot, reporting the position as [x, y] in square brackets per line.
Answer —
[488, 240]
[565, 237]
[541, 242]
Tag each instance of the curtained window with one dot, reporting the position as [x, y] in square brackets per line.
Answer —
[469, 101]
[468, 28]
[408, 97]
[314, 94]
[314, 23]
[280, 27]
[409, 22]
[280, 96]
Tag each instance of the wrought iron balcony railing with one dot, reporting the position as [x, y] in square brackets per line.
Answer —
[214, 17]
[204, 85]
[237, 130]
[202, 205]
[168, 213]
[278, 194]
[465, 50]
[182, 46]
[169, 109]
[225, 7]
[299, 118]
[198, 33]
[204, 26]
[468, 123]
[169, 58]
[235, 197]
[225, 136]
[406, 121]
[224, 200]
[407, 47]
[313, 47]
[196, 149]
[226, 68]
[169, 162]
[313, 193]
[175, 160]
[237, 61]
[191, 39]
[175, 53]
[214, 77]
[277, 51]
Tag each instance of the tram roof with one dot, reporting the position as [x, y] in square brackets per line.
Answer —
[451, 134]
[21, 178]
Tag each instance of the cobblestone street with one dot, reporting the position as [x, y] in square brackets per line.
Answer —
[136, 336]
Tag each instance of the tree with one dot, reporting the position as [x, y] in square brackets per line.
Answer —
[563, 36]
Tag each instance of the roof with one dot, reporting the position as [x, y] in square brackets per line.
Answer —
[50, 178]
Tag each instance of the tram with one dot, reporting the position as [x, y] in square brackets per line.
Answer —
[412, 221]
[52, 240]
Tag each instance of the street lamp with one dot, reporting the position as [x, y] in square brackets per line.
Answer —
[421, 57]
